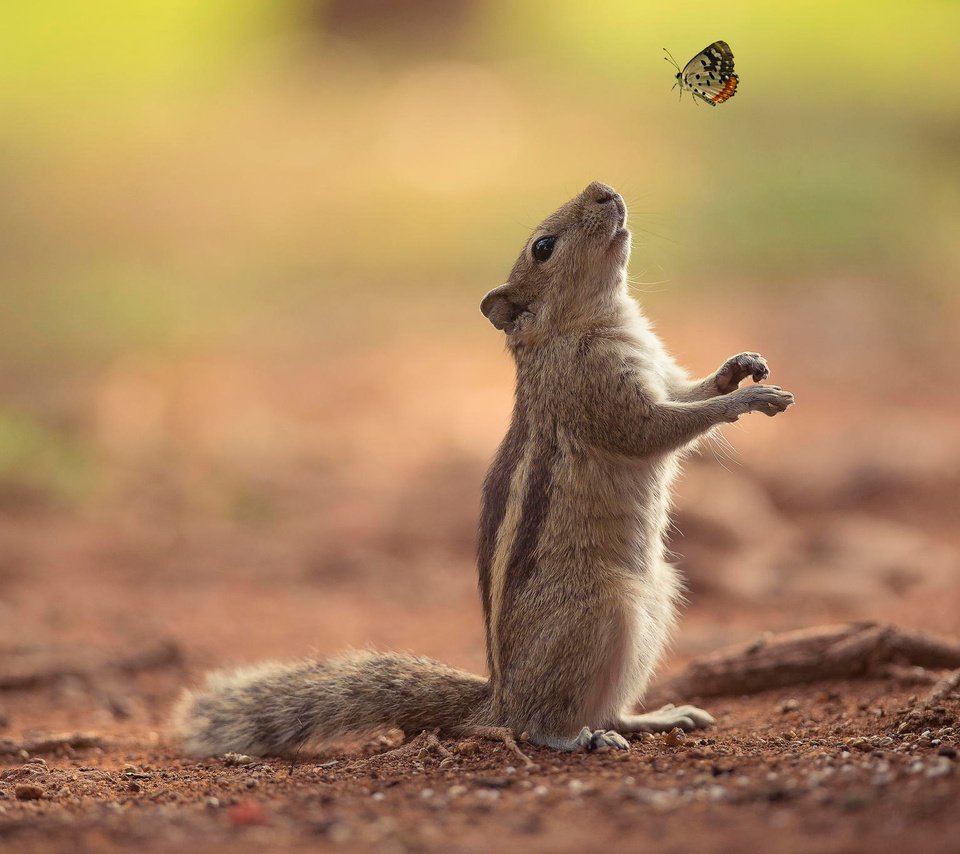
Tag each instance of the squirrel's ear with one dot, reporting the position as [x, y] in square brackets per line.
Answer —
[500, 310]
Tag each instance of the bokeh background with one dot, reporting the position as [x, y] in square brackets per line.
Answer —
[246, 395]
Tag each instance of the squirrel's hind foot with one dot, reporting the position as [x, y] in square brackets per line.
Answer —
[666, 718]
[588, 739]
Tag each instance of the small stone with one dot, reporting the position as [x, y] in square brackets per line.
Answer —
[447, 762]
[378, 796]
[675, 737]
[250, 784]
[27, 792]
[577, 787]
[940, 767]
[456, 791]
[247, 814]
[949, 752]
[487, 795]
[235, 759]
[467, 748]
[426, 794]
[212, 803]
[789, 706]
[541, 791]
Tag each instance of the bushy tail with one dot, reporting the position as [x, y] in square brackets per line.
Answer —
[276, 707]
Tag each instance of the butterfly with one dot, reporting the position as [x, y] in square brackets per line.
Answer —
[709, 75]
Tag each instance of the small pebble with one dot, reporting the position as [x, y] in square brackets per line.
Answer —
[940, 767]
[675, 737]
[27, 792]
[247, 814]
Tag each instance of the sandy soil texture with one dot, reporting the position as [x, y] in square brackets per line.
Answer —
[252, 512]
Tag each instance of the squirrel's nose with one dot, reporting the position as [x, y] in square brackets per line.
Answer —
[600, 193]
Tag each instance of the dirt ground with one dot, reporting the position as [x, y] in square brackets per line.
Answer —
[253, 511]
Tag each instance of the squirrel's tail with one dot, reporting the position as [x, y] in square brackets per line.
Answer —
[276, 707]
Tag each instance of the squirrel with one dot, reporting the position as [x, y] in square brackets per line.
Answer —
[578, 598]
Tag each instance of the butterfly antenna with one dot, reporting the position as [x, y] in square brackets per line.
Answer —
[670, 59]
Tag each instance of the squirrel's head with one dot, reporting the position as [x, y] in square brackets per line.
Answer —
[570, 272]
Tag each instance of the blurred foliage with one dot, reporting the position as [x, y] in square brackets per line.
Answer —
[42, 466]
[201, 174]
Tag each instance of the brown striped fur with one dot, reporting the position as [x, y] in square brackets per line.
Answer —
[578, 598]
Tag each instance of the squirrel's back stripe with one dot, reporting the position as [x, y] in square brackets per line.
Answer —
[496, 494]
[535, 501]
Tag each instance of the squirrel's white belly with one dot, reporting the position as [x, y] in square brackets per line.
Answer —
[626, 520]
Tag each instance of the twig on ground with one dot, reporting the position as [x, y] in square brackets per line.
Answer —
[51, 743]
[43, 667]
[852, 651]
[502, 734]
[943, 689]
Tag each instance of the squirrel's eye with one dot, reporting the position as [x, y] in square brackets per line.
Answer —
[543, 248]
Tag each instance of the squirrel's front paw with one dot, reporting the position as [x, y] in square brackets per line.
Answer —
[601, 739]
[738, 368]
[768, 399]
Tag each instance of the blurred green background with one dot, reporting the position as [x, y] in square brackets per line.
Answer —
[263, 181]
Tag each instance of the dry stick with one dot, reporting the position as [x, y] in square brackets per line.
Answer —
[424, 741]
[851, 651]
[502, 734]
[943, 689]
[164, 654]
[51, 743]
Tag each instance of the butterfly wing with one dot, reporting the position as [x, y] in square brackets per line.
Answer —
[710, 74]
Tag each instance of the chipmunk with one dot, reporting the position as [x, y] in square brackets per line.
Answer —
[578, 598]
